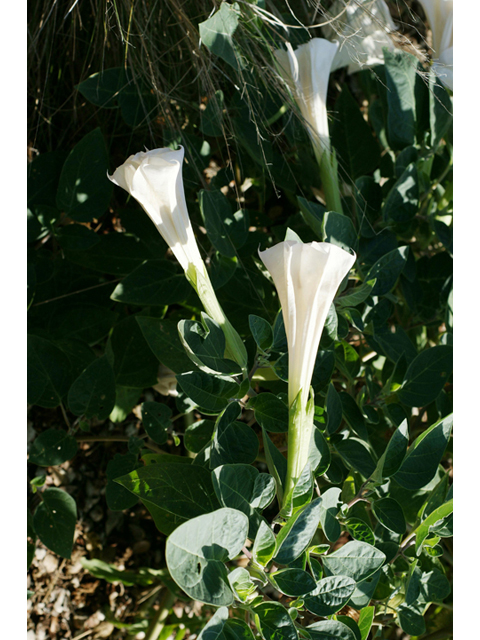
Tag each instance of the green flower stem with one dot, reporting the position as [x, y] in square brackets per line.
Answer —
[234, 347]
[328, 165]
[300, 429]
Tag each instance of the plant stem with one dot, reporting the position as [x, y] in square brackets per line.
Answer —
[330, 185]
[158, 621]
[234, 347]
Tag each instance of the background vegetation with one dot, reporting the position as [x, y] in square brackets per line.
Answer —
[107, 79]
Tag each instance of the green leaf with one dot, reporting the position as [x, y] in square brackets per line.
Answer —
[93, 392]
[163, 340]
[330, 630]
[312, 213]
[387, 270]
[273, 622]
[357, 150]
[400, 71]
[330, 505]
[242, 487]
[350, 623]
[118, 498]
[89, 323]
[339, 230]
[357, 560]
[153, 283]
[292, 582]
[134, 363]
[390, 514]
[319, 456]
[216, 34]
[76, 237]
[421, 462]
[402, 201]
[196, 552]
[411, 620]
[270, 412]
[359, 530]
[233, 443]
[333, 406]
[48, 372]
[424, 528]
[365, 620]
[262, 331]
[241, 583]
[394, 454]
[440, 109]
[52, 447]
[352, 415]
[42, 177]
[54, 521]
[426, 376]
[357, 295]
[211, 393]
[109, 572]
[227, 231]
[330, 595]
[102, 89]
[296, 535]
[276, 462]
[84, 191]
[172, 492]
[220, 627]
[156, 420]
[126, 399]
[264, 544]
[198, 434]
[205, 345]
[357, 454]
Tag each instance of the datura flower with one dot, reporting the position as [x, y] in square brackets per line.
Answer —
[154, 179]
[362, 29]
[306, 72]
[440, 17]
[307, 277]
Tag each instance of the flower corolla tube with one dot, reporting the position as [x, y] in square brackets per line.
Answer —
[307, 277]
[307, 71]
[440, 17]
[362, 30]
[154, 178]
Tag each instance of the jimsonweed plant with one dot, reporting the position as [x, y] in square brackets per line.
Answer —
[240, 363]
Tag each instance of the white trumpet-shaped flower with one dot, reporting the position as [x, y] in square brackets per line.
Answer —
[154, 178]
[307, 277]
[307, 71]
[440, 17]
[362, 29]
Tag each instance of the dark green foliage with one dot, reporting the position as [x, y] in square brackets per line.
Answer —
[122, 353]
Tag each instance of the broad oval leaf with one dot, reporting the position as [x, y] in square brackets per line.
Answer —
[424, 456]
[54, 521]
[172, 492]
[330, 630]
[52, 447]
[390, 514]
[274, 623]
[330, 595]
[297, 534]
[358, 560]
[293, 582]
[197, 550]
